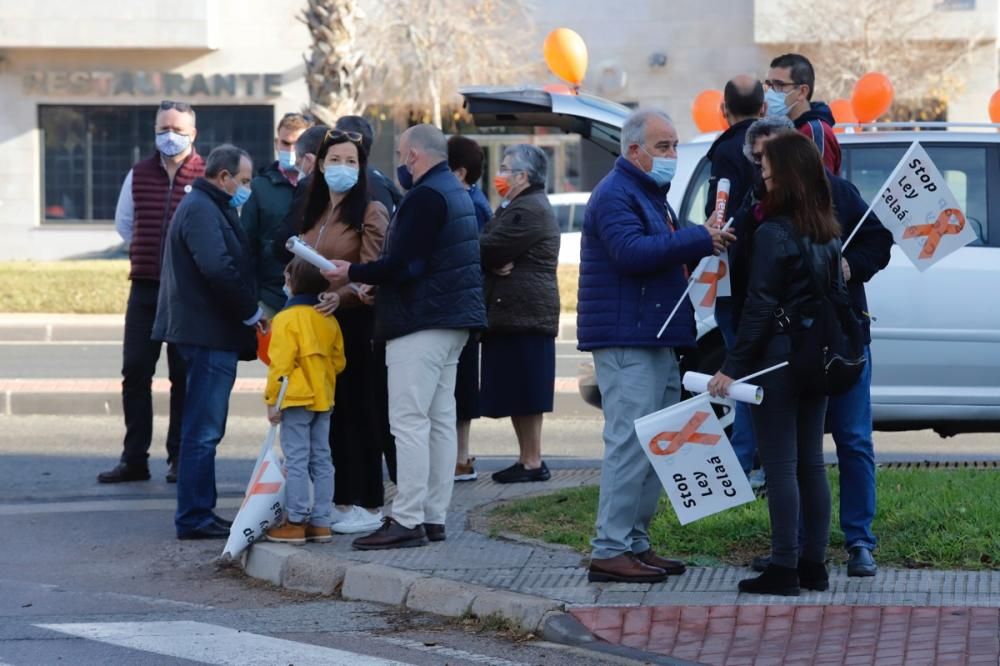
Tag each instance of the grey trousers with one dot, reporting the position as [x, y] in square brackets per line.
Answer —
[789, 431]
[305, 441]
[634, 381]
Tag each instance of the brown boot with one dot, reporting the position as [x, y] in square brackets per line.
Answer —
[625, 568]
[319, 534]
[392, 535]
[672, 567]
[288, 532]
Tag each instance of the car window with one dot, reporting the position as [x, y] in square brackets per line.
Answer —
[693, 208]
[563, 212]
[963, 167]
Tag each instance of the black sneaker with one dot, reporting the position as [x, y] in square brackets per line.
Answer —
[172, 473]
[518, 473]
[123, 473]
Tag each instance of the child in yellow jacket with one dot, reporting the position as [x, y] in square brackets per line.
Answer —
[307, 348]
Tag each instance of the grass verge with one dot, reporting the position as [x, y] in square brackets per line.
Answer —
[942, 519]
[78, 287]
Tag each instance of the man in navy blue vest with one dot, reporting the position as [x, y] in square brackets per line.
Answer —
[430, 296]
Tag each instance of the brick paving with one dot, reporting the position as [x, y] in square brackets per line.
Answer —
[808, 635]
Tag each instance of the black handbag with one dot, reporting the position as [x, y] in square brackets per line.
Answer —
[828, 344]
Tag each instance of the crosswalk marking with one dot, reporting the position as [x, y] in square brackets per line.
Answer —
[211, 644]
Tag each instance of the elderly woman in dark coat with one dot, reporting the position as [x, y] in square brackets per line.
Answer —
[520, 253]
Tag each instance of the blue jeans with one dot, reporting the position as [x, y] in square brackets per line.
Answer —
[634, 381]
[210, 377]
[849, 420]
[305, 441]
[743, 440]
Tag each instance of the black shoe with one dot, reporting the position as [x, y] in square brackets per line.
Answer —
[779, 580]
[172, 473]
[210, 531]
[518, 473]
[760, 563]
[219, 520]
[813, 576]
[861, 562]
[392, 535]
[123, 473]
[434, 532]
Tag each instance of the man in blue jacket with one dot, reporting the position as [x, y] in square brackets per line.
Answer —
[849, 415]
[633, 269]
[208, 308]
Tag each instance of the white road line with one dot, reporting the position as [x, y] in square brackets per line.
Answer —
[211, 644]
[448, 652]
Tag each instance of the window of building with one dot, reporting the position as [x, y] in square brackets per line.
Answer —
[954, 5]
[88, 150]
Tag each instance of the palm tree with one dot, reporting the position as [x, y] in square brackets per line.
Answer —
[336, 69]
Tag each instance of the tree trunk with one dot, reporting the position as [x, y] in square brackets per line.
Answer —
[435, 92]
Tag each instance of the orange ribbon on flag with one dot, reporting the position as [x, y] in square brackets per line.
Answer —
[688, 435]
[712, 279]
[256, 488]
[949, 222]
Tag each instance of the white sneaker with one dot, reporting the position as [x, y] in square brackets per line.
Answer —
[757, 479]
[339, 515]
[360, 520]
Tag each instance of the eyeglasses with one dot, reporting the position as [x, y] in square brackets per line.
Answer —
[779, 85]
[353, 137]
[167, 105]
[758, 158]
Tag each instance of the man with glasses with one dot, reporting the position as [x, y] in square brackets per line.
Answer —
[790, 83]
[273, 191]
[152, 190]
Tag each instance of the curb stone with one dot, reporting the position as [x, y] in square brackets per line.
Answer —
[450, 598]
[378, 583]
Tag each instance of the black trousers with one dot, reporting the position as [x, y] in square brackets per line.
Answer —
[359, 426]
[139, 357]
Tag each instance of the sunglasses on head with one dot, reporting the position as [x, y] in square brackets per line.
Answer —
[353, 137]
[167, 105]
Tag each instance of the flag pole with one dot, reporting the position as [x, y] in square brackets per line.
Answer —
[694, 276]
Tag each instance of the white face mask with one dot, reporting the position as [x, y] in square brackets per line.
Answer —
[288, 290]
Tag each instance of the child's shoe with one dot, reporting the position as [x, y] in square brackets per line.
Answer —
[288, 532]
[318, 534]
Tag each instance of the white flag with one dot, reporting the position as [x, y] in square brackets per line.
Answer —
[697, 466]
[918, 207]
[709, 281]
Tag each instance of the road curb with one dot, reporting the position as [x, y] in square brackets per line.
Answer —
[305, 571]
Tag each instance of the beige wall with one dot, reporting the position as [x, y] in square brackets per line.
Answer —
[260, 36]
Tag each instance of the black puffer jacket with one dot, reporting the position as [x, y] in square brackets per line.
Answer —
[779, 278]
[527, 234]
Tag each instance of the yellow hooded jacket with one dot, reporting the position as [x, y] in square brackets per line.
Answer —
[308, 348]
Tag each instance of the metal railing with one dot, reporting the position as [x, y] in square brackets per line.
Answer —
[916, 126]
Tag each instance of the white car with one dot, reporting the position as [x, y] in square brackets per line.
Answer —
[569, 208]
[936, 334]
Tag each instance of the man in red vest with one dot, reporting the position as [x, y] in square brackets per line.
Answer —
[146, 204]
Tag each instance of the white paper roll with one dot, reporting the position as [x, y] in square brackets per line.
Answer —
[696, 382]
[300, 248]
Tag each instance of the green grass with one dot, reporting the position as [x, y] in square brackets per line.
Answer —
[569, 277]
[79, 287]
[939, 519]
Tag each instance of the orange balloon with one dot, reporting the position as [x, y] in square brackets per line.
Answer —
[995, 107]
[566, 55]
[263, 344]
[872, 96]
[843, 112]
[707, 111]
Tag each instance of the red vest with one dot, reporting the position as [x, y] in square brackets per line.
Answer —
[155, 200]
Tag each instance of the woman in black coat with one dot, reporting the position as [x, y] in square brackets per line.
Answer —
[520, 254]
[789, 424]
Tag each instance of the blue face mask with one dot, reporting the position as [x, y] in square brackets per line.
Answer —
[776, 104]
[286, 159]
[404, 177]
[241, 196]
[340, 177]
[288, 290]
[663, 170]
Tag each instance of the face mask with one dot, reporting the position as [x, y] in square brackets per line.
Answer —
[241, 196]
[172, 143]
[404, 177]
[502, 185]
[288, 290]
[286, 159]
[663, 169]
[776, 103]
[340, 177]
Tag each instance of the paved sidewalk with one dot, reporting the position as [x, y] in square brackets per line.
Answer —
[558, 574]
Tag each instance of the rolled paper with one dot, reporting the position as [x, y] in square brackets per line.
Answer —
[697, 382]
[300, 248]
[721, 200]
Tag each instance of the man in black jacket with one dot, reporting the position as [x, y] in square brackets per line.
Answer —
[208, 308]
[849, 416]
[743, 103]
